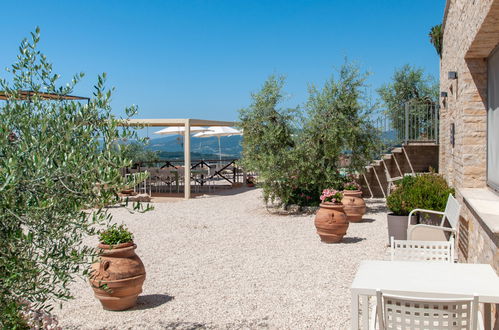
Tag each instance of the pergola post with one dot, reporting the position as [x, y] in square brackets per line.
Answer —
[187, 159]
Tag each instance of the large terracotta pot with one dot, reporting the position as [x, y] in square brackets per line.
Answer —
[331, 222]
[122, 271]
[355, 207]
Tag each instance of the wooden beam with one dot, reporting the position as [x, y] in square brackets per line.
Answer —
[176, 122]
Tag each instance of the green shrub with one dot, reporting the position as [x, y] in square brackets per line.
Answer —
[427, 191]
[116, 235]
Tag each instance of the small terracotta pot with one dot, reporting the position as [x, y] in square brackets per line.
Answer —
[355, 207]
[122, 271]
[331, 222]
[127, 191]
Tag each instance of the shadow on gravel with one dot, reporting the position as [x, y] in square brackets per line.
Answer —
[350, 240]
[151, 301]
[184, 326]
[367, 220]
[377, 208]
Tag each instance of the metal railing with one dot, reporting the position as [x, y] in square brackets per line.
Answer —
[416, 122]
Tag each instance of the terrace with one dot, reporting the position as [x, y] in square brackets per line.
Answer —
[405, 233]
[235, 266]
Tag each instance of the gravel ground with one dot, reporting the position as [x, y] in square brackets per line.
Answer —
[224, 262]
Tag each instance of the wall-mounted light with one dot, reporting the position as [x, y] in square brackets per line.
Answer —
[452, 75]
[443, 94]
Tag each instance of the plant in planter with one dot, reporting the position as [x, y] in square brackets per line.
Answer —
[330, 220]
[355, 207]
[118, 276]
[428, 191]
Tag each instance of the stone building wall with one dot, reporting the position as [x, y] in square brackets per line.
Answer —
[465, 106]
[471, 33]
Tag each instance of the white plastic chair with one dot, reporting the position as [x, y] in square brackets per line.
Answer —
[425, 232]
[438, 251]
[417, 313]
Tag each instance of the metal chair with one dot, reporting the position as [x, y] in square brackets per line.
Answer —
[438, 251]
[418, 313]
[426, 232]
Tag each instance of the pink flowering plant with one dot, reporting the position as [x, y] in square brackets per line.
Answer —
[331, 195]
[352, 185]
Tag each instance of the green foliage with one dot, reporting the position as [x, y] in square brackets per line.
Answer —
[436, 38]
[427, 191]
[351, 185]
[409, 84]
[298, 154]
[138, 153]
[115, 235]
[268, 141]
[59, 165]
[11, 316]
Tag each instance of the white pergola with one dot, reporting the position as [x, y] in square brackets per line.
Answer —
[187, 124]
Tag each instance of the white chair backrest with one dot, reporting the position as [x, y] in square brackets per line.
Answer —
[438, 251]
[452, 210]
[399, 312]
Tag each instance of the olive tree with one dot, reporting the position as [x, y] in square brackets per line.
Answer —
[337, 131]
[298, 154]
[409, 85]
[59, 167]
[268, 139]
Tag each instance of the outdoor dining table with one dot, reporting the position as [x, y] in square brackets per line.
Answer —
[423, 279]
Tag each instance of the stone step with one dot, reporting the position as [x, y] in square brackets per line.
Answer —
[397, 150]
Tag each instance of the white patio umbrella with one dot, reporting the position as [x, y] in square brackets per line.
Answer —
[179, 130]
[219, 131]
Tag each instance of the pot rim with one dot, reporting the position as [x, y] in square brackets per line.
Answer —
[405, 216]
[330, 205]
[116, 246]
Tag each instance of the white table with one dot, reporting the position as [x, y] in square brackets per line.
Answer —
[422, 279]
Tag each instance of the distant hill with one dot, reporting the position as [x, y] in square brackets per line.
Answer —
[171, 147]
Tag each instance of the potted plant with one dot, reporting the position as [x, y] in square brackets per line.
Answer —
[428, 191]
[355, 206]
[331, 220]
[250, 181]
[118, 275]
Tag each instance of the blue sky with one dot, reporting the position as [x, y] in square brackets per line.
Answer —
[202, 59]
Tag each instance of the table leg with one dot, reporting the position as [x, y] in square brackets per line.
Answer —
[487, 317]
[354, 311]
[365, 312]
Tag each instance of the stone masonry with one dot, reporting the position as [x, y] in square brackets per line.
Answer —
[471, 33]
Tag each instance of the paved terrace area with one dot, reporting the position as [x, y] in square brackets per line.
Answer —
[224, 262]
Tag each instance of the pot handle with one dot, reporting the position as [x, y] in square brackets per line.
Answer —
[104, 265]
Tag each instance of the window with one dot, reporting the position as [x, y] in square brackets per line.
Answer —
[493, 121]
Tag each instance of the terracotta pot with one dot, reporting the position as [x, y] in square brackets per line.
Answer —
[251, 185]
[331, 222]
[122, 271]
[127, 191]
[355, 207]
